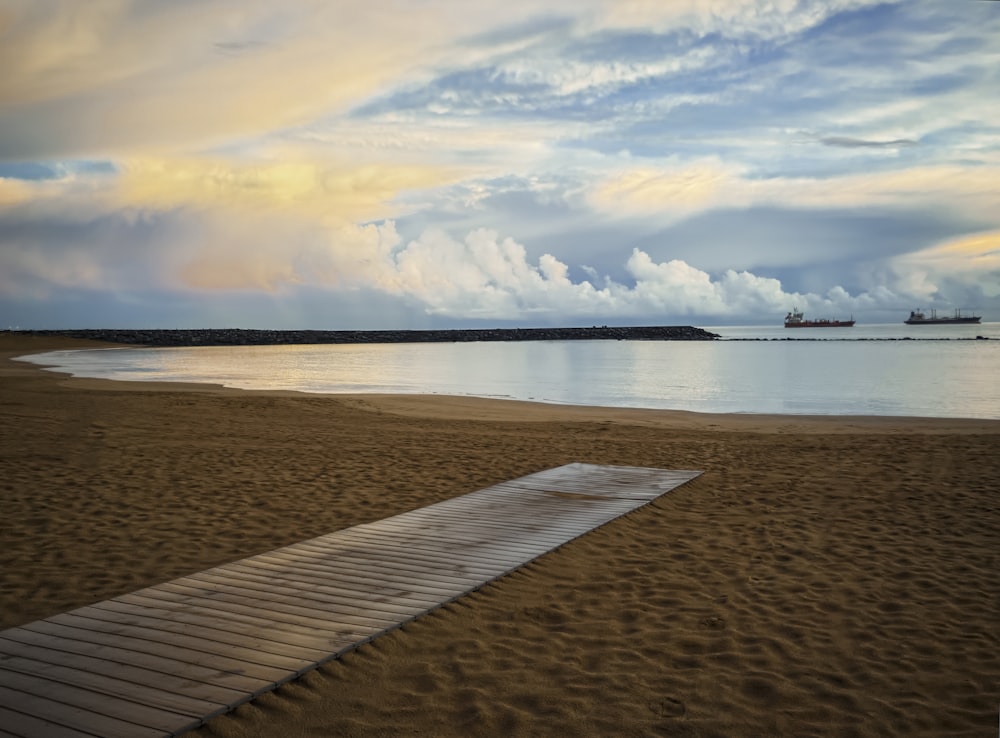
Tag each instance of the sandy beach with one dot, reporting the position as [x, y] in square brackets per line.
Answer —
[824, 576]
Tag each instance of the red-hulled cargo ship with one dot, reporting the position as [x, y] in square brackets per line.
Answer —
[795, 319]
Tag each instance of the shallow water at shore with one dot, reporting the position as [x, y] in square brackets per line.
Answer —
[875, 372]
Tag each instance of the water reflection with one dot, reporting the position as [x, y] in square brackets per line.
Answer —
[933, 378]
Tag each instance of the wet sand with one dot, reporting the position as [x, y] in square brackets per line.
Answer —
[824, 576]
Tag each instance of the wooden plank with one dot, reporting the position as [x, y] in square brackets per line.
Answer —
[341, 600]
[522, 546]
[480, 550]
[428, 584]
[160, 650]
[520, 510]
[397, 589]
[484, 545]
[368, 575]
[162, 659]
[156, 696]
[31, 702]
[307, 578]
[583, 499]
[301, 613]
[199, 673]
[452, 573]
[542, 541]
[383, 598]
[88, 619]
[205, 627]
[418, 549]
[529, 528]
[448, 559]
[515, 508]
[435, 528]
[16, 724]
[213, 693]
[326, 637]
[531, 509]
[328, 608]
[337, 632]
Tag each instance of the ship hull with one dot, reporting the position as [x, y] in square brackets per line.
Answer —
[943, 321]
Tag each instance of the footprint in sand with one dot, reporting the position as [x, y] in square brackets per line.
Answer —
[668, 707]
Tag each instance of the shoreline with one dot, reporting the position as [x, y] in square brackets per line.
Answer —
[823, 576]
[452, 407]
[443, 406]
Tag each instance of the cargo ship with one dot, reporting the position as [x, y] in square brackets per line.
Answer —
[917, 317]
[795, 319]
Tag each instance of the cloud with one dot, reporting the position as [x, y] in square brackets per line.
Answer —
[487, 277]
[15, 192]
[737, 18]
[847, 142]
[203, 224]
[212, 148]
[202, 251]
[239, 47]
[969, 265]
[276, 227]
[94, 252]
[328, 190]
[678, 189]
[119, 76]
[484, 277]
[675, 188]
[276, 255]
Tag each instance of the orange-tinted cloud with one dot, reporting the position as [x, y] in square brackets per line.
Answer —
[679, 190]
[342, 192]
[107, 77]
[973, 259]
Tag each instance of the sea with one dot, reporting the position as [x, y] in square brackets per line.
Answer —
[892, 370]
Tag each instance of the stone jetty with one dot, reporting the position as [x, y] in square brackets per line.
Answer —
[251, 337]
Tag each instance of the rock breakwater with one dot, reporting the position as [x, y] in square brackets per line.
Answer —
[251, 337]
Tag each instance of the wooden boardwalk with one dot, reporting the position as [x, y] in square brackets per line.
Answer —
[162, 660]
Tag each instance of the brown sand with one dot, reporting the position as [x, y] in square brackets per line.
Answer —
[823, 577]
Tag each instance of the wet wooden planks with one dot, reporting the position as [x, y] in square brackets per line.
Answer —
[162, 660]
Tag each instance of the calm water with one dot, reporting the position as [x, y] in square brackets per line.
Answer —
[867, 370]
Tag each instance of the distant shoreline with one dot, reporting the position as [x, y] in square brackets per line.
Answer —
[253, 337]
[180, 337]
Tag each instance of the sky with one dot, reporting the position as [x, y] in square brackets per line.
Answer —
[407, 164]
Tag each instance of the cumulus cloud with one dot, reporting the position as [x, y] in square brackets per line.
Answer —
[274, 227]
[202, 224]
[481, 276]
[485, 276]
